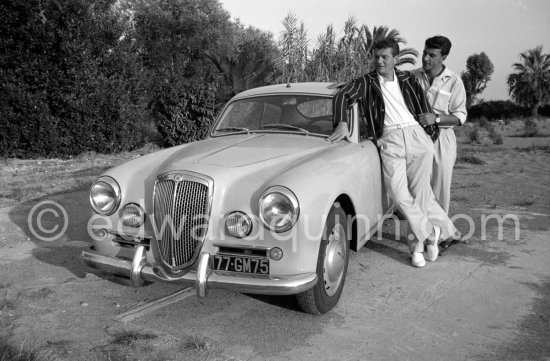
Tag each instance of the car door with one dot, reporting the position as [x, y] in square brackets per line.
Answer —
[372, 202]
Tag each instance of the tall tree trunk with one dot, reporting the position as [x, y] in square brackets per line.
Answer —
[535, 109]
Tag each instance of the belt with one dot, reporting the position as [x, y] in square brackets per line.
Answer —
[402, 125]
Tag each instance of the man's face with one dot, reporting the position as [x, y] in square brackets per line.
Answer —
[432, 59]
[384, 61]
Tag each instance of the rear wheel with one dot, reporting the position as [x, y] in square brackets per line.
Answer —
[332, 265]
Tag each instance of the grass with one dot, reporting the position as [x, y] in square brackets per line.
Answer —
[9, 352]
[196, 343]
[129, 337]
[470, 158]
[535, 148]
[28, 179]
[525, 202]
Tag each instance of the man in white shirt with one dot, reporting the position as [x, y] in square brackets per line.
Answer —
[393, 101]
[447, 97]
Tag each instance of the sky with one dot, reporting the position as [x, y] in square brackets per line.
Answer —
[500, 28]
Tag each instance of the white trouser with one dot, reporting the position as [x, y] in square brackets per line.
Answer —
[444, 161]
[407, 158]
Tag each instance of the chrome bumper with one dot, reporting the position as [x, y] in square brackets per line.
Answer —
[204, 278]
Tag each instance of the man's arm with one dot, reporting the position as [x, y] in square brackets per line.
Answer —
[345, 96]
[457, 103]
[457, 108]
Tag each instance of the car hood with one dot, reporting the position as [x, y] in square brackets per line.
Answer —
[242, 150]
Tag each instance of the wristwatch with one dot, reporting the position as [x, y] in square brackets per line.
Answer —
[437, 118]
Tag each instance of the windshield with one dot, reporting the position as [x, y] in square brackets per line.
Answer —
[277, 113]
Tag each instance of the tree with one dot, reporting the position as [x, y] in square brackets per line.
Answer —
[530, 85]
[294, 50]
[246, 60]
[64, 77]
[181, 84]
[333, 59]
[479, 69]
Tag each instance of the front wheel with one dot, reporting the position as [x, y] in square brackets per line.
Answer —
[332, 265]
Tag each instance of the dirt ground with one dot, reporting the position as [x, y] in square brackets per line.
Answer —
[488, 299]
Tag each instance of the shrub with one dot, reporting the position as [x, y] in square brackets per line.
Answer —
[475, 135]
[470, 158]
[484, 122]
[531, 128]
[495, 135]
[497, 109]
[184, 115]
[64, 80]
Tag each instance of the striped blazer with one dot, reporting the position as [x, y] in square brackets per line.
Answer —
[366, 89]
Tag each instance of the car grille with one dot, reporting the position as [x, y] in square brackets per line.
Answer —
[181, 210]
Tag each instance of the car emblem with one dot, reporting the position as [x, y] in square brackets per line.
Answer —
[178, 178]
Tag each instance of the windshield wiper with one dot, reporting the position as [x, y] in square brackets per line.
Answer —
[285, 126]
[233, 129]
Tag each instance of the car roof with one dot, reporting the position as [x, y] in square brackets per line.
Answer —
[317, 88]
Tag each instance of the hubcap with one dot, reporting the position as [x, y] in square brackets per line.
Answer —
[335, 259]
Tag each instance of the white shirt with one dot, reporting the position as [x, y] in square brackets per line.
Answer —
[395, 108]
[446, 94]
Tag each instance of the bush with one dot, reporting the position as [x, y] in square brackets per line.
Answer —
[186, 115]
[530, 128]
[475, 135]
[65, 79]
[484, 122]
[497, 109]
[495, 136]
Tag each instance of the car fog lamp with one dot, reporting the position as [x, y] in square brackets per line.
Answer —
[276, 253]
[133, 215]
[279, 209]
[105, 196]
[238, 224]
[100, 233]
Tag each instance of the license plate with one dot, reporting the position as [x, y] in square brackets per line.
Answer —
[241, 264]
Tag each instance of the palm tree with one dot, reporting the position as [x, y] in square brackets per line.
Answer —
[530, 85]
[368, 39]
[245, 62]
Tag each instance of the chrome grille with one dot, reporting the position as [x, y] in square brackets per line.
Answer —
[181, 207]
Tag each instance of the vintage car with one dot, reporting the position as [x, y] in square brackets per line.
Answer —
[265, 204]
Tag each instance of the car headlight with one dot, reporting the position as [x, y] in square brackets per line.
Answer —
[279, 209]
[238, 224]
[105, 195]
[133, 215]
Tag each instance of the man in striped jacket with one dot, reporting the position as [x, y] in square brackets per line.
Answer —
[393, 102]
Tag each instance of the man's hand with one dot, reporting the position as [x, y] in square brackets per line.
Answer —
[426, 119]
[341, 132]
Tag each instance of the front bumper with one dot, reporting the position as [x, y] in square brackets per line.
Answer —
[203, 278]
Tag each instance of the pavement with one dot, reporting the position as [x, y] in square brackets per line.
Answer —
[488, 299]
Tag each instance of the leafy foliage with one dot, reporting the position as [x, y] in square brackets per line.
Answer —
[63, 89]
[530, 85]
[479, 69]
[246, 60]
[333, 59]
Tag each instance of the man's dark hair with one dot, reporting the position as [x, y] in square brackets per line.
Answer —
[439, 42]
[387, 43]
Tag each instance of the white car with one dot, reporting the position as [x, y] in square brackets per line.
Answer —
[264, 205]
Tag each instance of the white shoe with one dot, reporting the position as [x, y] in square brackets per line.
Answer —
[432, 245]
[418, 259]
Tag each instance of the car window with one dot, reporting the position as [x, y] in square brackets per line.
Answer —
[277, 113]
[316, 108]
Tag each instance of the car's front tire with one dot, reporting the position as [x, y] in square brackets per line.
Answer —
[332, 265]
